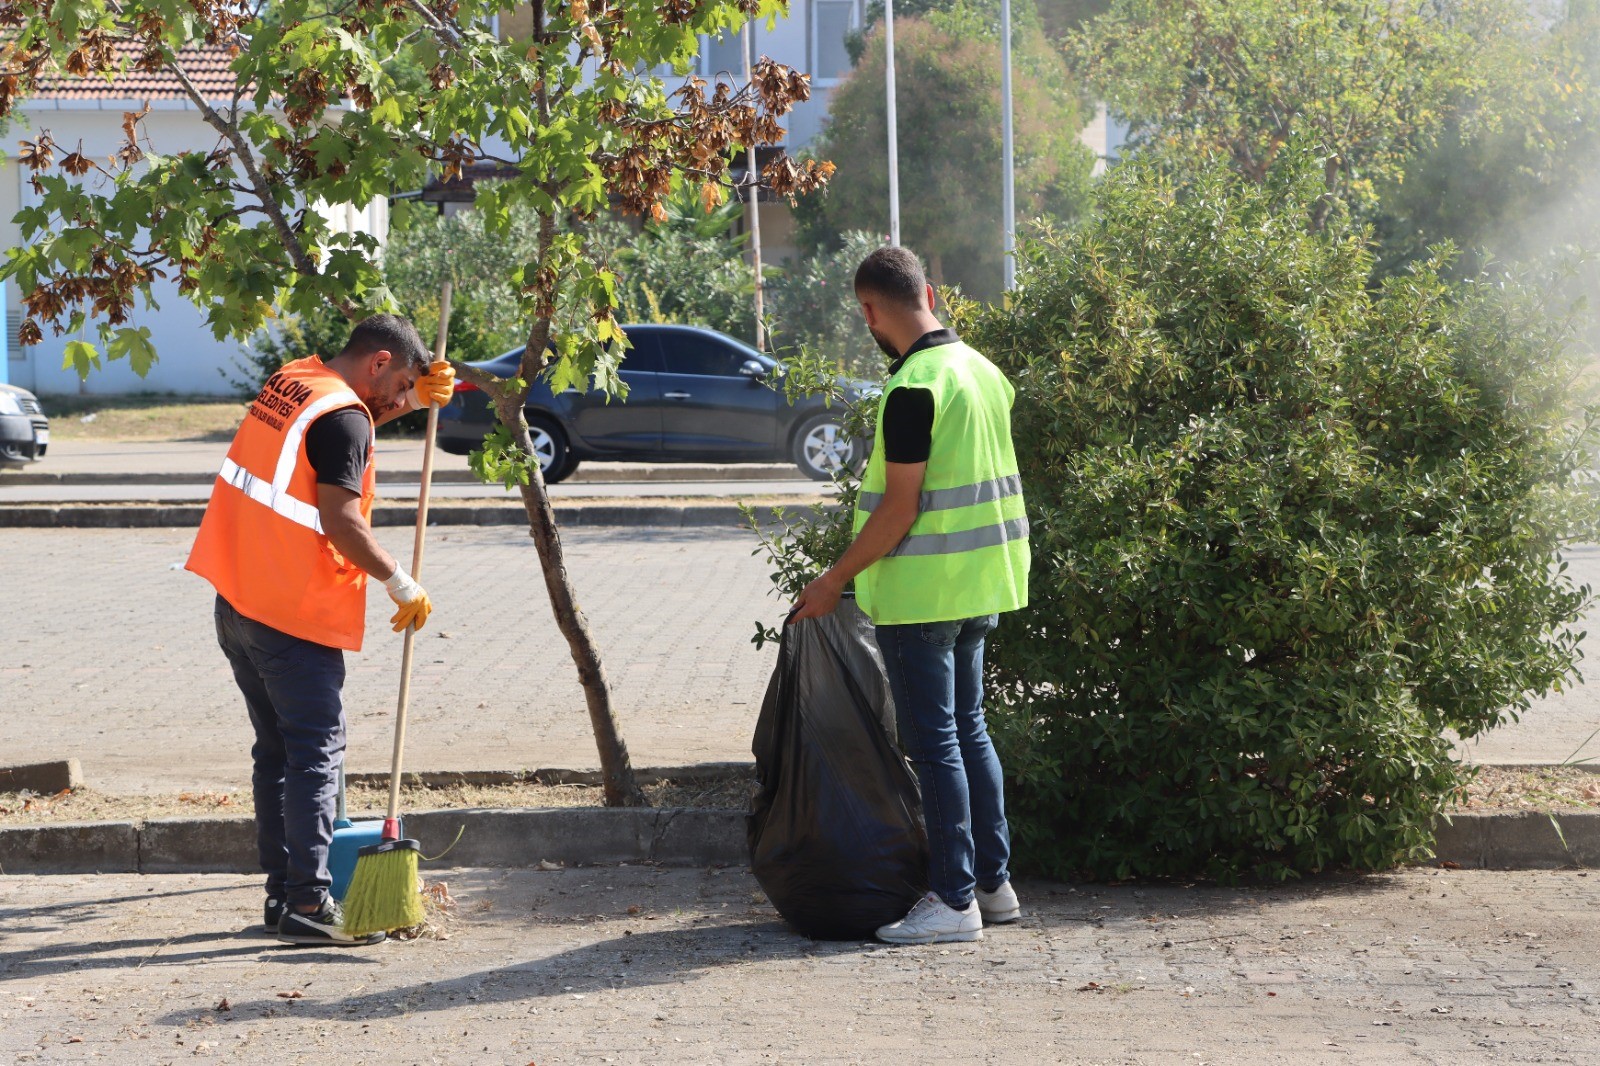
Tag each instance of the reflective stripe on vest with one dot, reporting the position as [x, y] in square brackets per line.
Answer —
[968, 540]
[275, 495]
[263, 493]
[950, 499]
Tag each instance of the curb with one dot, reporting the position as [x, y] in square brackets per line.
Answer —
[149, 516]
[571, 836]
[42, 777]
[594, 474]
[577, 836]
[1519, 840]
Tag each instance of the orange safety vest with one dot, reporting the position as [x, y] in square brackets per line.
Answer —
[261, 542]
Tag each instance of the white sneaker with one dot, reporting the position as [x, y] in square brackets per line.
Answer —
[999, 906]
[932, 921]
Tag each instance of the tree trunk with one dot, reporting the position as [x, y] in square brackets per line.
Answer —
[621, 790]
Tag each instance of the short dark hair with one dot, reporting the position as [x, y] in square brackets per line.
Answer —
[895, 274]
[392, 334]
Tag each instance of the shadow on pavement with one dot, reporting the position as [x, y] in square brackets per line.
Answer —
[639, 960]
[84, 910]
[52, 959]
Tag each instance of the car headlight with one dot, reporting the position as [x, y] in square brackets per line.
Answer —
[9, 404]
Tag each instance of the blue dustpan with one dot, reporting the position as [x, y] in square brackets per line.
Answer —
[348, 839]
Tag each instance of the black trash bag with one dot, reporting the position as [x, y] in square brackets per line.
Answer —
[836, 834]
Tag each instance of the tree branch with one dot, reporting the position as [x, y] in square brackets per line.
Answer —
[446, 31]
[303, 263]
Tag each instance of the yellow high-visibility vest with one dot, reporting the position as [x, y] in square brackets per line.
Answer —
[967, 552]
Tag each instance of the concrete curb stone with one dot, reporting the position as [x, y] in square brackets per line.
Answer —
[83, 848]
[584, 836]
[592, 474]
[568, 836]
[1519, 840]
[153, 516]
[197, 845]
[42, 777]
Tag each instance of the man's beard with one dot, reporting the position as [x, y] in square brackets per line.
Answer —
[888, 349]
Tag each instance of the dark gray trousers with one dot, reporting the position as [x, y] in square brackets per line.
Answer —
[291, 688]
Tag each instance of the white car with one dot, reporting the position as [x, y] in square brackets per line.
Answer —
[24, 430]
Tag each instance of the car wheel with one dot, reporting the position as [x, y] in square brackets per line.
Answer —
[550, 448]
[821, 449]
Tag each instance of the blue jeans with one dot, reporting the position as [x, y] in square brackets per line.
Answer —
[291, 688]
[936, 675]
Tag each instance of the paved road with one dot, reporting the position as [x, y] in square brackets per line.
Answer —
[199, 459]
[641, 965]
[109, 655]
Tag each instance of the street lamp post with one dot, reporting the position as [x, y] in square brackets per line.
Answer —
[894, 137]
[1008, 201]
[753, 180]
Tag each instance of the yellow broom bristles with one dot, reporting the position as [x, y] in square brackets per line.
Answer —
[383, 893]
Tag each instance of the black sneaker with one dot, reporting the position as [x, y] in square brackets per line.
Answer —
[271, 915]
[325, 927]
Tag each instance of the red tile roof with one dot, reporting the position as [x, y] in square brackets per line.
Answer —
[206, 65]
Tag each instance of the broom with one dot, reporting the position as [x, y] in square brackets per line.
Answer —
[384, 893]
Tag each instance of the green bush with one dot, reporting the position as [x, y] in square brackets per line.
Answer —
[426, 249]
[688, 269]
[1287, 530]
[811, 306]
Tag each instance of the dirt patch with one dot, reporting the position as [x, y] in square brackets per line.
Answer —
[87, 805]
[74, 418]
[1553, 788]
[1494, 788]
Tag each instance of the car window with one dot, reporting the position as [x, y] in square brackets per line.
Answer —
[643, 353]
[694, 353]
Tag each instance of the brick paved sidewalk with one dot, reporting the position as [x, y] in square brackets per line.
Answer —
[640, 965]
[109, 655]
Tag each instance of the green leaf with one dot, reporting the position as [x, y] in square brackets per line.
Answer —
[134, 343]
[80, 356]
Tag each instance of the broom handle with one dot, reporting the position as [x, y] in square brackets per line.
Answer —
[391, 829]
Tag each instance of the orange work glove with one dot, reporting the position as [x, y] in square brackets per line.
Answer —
[435, 387]
[412, 599]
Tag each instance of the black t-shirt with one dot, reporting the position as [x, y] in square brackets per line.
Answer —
[337, 446]
[908, 411]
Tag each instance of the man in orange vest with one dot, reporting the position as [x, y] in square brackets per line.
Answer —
[287, 542]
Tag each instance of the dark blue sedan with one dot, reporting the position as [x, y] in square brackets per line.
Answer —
[694, 396]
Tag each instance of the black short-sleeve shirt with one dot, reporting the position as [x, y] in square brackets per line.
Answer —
[908, 410]
[338, 446]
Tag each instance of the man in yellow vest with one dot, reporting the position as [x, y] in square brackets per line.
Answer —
[940, 549]
[287, 542]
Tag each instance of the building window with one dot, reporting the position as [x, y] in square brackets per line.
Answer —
[831, 22]
[720, 57]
